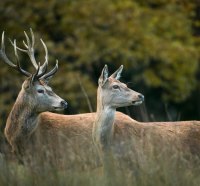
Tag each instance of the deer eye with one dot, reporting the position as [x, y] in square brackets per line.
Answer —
[40, 91]
[115, 86]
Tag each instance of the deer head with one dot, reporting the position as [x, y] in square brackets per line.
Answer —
[35, 90]
[113, 93]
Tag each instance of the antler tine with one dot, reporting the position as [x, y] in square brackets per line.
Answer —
[30, 48]
[52, 72]
[32, 37]
[18, 67]
[15, 50]
[20, 49]
[46, 50]
[45, 64]
[10, 63]
[2, 42]
[44, 70]
[3, 54]
[28, 44]
[35, 76]
[37, 69]
[6, 60]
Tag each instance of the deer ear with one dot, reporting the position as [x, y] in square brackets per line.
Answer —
[46, 77]
[104, 76]
[46, 80]
[27, 84]
[117, 73]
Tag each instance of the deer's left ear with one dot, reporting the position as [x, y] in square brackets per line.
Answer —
[46, 77]
[117, 73]
[46, 80]
[104, 76]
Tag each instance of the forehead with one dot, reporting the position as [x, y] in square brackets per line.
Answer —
[42, 84]
[115, 81]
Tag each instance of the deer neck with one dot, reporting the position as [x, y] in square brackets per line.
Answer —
[103, 126]
[22, 119]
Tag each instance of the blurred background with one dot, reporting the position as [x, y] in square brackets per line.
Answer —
[157, 41]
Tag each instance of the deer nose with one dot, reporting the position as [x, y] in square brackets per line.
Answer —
[64, 104]
[141, 97]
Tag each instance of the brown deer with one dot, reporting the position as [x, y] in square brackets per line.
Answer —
[111, 94]
[110, 131]
[114, 132]
[34, 98]
[81, 125]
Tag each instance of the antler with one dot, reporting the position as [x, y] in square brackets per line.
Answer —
[52, 72]
[29, 45]
[41, 71]
[9, 62]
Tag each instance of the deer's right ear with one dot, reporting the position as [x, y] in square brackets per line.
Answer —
[104, 76]
[27, 84]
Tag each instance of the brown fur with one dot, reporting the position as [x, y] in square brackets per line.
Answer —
[185, 133]
[24, 119]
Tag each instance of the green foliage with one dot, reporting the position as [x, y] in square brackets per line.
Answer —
[153, 39]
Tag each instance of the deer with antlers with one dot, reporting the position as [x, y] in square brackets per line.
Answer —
[34, 98]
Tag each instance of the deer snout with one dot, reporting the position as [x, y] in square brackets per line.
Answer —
[64, 104]
[141, 97]
[138, 99]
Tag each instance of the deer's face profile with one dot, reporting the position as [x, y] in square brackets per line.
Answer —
[115, 93]
[42, 97]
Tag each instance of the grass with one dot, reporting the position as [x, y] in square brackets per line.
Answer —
[79, 164]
